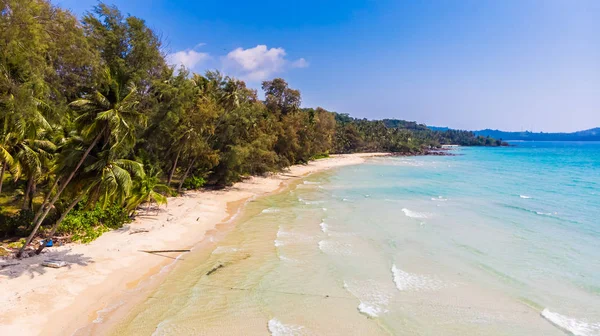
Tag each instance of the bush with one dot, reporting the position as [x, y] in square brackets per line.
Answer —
[320, 156]
[193, 182]
[16, 225]
[87, 225]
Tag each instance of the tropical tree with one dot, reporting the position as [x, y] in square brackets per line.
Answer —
[105, 119]
[148, 189]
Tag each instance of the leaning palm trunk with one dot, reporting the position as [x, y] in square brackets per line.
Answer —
[27, 193]
[62, 217]
[174, 167]
[62, 188]
[2, 170]
[187, 171]
[45, 202]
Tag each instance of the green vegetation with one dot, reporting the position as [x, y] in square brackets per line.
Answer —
[95, 124]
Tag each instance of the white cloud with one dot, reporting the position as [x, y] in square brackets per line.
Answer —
[188, 58]
[300, 63]
[260, 63]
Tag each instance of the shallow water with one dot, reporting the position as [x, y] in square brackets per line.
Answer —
[498, 241]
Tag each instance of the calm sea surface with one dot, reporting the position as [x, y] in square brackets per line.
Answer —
[495, 241]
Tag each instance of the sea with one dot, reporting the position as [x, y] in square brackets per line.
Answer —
[490, 241]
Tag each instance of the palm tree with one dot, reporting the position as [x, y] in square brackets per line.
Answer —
[106, 119]
[32, 158]
[7, 163]
[110, 179]
[148, 189]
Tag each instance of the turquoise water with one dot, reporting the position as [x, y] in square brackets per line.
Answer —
[494, 241]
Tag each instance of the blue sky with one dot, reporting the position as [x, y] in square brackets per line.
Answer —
[507, 64]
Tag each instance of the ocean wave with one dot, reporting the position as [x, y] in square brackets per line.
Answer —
[372, 296]
[289, 260]
[552, 214]
[310, 182]
[104, 311]
[414, 214]
[324, 227]
[271, 210]
[287, 238]
[225, 249]
[333, 247]
[525, 196]
[571, 325]
[412, 282]
[439, 199]
[371, 310]
[277, 328]
[300, 199]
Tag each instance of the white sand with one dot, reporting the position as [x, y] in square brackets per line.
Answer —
[37, 300]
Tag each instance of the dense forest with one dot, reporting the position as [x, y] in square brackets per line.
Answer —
[592, 134]
[587, 135]
[95, 123]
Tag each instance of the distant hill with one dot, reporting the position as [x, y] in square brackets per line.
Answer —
[586, 135]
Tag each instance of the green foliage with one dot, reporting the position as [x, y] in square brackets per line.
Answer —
[15, 225]
[86, 225]
[17, 244]
[194, 182]
[320, 156]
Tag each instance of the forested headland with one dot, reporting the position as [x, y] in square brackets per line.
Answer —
[96, 123]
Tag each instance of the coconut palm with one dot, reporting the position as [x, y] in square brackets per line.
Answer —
[148, 189]
[106, 118]
[111, 179]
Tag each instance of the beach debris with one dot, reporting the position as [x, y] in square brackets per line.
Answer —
[54, 263]
[134, 231]
[162, 251]
[214, 269]
[7, 265]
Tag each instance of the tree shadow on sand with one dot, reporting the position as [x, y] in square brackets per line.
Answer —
[33, 266]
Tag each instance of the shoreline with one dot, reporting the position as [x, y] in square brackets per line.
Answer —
[37, 300]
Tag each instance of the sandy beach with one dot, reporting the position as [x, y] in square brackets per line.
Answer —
[38, 300]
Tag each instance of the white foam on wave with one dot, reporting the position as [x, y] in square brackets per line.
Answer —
[525, 196]
[277, 328]
[333, 247]
[225, 249]
[300, 199]
[270, 210]
[439, 199]
[287, 238]
[310, 182]
[324, 227]
[571, 325]
[373, 298]
[414, 214]
[104, 311]
[412, 282]
[324, 209]
[289, 260]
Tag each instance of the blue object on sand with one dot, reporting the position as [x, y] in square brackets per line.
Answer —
[49, 243]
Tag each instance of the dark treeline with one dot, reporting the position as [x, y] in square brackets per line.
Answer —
[96, 123]
[587, 135]
[405, 137]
